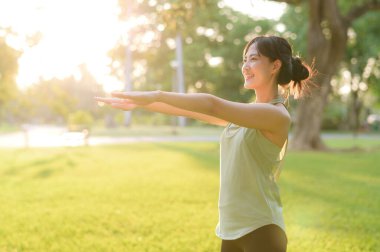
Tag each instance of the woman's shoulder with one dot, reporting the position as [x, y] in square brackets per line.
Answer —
[284, 109]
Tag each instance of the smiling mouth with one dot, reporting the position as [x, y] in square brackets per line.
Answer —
[248, 77]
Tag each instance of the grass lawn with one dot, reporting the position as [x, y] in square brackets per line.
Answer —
[163, 197]
[5, 129]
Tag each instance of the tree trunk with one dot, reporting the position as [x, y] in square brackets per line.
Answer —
[327, 38]
[309, 119]
[327, 41]
[354, 108]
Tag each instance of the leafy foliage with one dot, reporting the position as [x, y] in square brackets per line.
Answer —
[210, 31]
[8, 72]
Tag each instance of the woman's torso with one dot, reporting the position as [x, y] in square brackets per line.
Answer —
[249, 196]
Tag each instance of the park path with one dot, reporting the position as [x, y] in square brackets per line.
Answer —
[52, 136]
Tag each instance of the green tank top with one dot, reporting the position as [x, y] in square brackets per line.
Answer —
[250, 166]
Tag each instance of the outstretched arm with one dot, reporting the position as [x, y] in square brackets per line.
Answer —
[171, 110]
[128, 104]
[261, 116]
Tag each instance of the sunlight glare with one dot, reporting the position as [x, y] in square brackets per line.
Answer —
[73, 32]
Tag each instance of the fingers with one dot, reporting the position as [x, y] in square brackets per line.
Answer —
[120, 94]
[123, 106]
[112, 100]
[105, 100]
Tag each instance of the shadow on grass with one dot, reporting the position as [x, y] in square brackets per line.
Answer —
[355, 149]
[333, 189]
[328, 210]
[41, 167]
[208, 156]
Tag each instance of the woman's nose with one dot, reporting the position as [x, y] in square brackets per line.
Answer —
[244, 66]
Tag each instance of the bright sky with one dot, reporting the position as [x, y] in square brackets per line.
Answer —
[79, 31]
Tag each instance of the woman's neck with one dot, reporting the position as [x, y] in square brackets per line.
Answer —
[266, 93]
[265, 98]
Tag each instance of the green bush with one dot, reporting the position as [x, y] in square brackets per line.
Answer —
[80, 120]
[333, 116]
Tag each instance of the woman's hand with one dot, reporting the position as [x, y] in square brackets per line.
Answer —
[117, 103]
[140, 98]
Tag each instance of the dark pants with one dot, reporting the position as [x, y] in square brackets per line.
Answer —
[268, 238]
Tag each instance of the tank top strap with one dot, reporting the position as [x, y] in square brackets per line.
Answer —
[280, 99]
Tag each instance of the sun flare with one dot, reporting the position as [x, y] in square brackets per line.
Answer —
[74, 32]
[71, 32]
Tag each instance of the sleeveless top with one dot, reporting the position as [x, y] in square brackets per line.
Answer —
[250, 167]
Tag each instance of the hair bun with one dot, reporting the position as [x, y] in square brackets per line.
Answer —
[300, 72]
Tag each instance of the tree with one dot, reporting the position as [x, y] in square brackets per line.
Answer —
[8, 72]
[361, 64]
[213, 45]
[52, 101]
[328, 25]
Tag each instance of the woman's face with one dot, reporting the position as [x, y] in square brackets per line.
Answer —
[257, 70]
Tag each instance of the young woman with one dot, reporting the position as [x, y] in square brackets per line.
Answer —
[252, 145]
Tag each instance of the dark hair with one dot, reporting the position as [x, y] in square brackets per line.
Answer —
[293, 69]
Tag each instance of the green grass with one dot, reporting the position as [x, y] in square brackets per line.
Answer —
[163, 197]
[159, 130]
[360, 143]
[6, 128]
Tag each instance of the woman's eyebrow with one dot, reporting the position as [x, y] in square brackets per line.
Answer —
[252, 54]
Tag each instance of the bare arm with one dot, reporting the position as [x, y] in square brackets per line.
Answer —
[262, 116]
[171, 110]
[154, 106]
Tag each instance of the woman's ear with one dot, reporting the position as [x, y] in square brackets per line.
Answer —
[277, 65]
